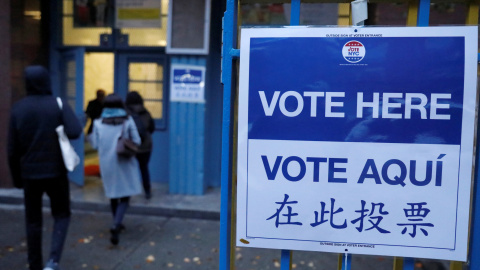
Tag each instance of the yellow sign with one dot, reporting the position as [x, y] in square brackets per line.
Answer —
[139, 14]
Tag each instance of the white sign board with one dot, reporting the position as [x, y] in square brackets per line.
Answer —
[357, 140]
[187, 83]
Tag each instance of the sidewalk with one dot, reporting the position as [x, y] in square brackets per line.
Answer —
[165, 232]
[91, 197]
[154, 243]
[159, 243]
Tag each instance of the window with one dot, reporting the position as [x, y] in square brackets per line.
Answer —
[85, 21]
[147, 79]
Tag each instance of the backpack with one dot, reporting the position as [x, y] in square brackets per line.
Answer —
[142, 129]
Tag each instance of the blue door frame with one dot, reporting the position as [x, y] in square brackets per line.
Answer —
[229, 53]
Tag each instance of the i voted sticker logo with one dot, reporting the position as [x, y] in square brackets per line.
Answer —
[182, 75]
[353, 51]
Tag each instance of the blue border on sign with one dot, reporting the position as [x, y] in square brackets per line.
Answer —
[266, 74]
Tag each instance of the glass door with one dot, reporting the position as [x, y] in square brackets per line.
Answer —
[145, 74]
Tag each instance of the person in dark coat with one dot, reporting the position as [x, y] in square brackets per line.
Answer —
[145, 126]
[94, 108]
[36, 162]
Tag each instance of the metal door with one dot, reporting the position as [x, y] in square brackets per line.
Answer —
[146, 73]
[71, 70]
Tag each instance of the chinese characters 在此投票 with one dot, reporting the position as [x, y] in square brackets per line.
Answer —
[415, 214]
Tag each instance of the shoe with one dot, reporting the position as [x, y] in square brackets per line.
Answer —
[122, 228]
[115, 235]
[51, 266]
[148, 196]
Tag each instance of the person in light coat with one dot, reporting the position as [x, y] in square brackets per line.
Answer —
[120, 175]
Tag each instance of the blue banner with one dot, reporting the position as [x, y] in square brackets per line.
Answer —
[388, 89]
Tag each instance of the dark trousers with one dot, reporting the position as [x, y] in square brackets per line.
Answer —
[143, 159]
[58, 191]
[119, 208]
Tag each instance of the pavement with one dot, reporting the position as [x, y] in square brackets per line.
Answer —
[165, 232]
[91, 197]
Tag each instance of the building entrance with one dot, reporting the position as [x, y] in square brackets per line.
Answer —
[99, 74]
[82, 74]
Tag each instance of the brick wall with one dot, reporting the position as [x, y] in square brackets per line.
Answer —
[5, 87]
[23, 43]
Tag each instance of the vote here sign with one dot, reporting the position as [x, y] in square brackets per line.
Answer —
[357, 140]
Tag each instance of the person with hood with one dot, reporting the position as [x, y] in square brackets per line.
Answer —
[120, 174]
[145, 126]
[36, 162]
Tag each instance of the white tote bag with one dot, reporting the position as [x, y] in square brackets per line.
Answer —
[70, 157]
